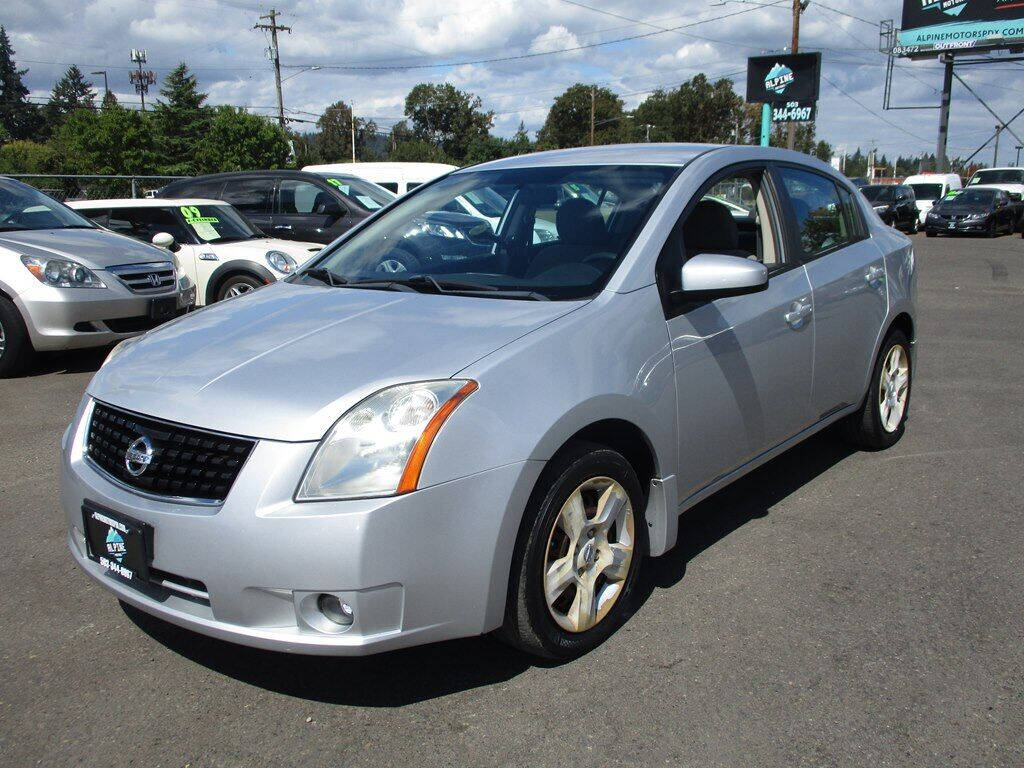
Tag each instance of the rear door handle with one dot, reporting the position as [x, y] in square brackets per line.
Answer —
[283, 226]
[798, 313]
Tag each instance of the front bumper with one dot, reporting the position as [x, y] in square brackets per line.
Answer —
[74, 318]
[427, 566]
[958, 227]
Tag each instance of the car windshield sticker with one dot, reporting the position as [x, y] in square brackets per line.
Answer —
[203, 225]
[369, 202]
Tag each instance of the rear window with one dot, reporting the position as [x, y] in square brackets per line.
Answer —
[929, 191]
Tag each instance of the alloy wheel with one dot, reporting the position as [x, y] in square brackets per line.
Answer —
[589, 552]
[893, 388]
[391, 266]
[238, 289]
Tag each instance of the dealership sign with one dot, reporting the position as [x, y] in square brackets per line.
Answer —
[793, 112]
[943, 25]
[777, 79]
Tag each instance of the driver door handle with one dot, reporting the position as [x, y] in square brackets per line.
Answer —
[283, 226]
[799, 311]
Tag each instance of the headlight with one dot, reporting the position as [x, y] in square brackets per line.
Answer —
[282, 262]
[977, 216]
[61, 273]
[880, 208]
[932, 215]
[378, 447]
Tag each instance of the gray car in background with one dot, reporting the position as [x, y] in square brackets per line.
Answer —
[348, 461]
[65, 283]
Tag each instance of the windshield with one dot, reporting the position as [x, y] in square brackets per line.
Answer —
[423, 242]
[363, 193]
[975, 197]
[22, 207]
[929, 192]
[878, 193]
[999, 176]
[217, 223]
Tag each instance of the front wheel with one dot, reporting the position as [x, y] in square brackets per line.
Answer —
[237, 285]
[881, 420]
[578, 555]
[15, 345]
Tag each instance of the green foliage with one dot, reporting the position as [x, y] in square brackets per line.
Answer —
[446, 117]
[19, 118]
[237, 140]
[417, 151]
[568, 121]
[495, 147]
[29, 157]
[697, 111]
[69, 93]
[181, 121]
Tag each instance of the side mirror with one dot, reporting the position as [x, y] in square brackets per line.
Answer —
[165, 240]
[715, 275]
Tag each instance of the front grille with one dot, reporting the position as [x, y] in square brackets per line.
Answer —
[146, 278]
[184, 462]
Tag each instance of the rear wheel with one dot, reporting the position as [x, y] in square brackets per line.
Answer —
[883, 416]
[15, 345]
[578, 554]
[236, 285]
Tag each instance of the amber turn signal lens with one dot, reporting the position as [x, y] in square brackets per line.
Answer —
[411, 476]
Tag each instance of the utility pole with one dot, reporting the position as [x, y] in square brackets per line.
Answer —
[798, 8]
[352, 123]
[139, 78]
[593, 98]
[1017, 161]
[275, 55]
[103, 72]
[995, 154]
[941, 162]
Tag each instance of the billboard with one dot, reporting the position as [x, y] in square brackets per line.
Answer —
[784, 78]
[934, 26]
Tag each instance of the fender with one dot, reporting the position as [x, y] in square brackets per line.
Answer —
[232, 267]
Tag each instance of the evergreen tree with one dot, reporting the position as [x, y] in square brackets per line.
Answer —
[181, 121]
[18, 116]
[109, 100]
[71, 92]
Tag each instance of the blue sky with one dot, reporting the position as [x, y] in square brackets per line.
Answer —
[382, 37]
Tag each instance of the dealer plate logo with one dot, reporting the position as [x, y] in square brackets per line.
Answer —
[779, 78]
[138, 456]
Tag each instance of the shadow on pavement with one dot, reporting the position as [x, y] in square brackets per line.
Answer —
[72, 361]
[426, 672]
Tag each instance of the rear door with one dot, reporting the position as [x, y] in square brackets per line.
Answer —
[847, 274]
[254, 197]
[309, 211]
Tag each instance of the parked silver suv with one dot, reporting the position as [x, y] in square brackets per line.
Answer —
[67, 284]
[354, 460]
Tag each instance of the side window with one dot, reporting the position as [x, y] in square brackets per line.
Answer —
[209, 190]
[100, 216]
[301, 197]
[390, 186]
[144, 223]
[817, 212]
[250, 196]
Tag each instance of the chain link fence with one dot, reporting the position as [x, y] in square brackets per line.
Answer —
[64, 186]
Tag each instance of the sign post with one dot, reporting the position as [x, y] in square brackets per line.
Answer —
[766, 123]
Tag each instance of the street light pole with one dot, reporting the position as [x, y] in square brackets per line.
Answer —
[103, 72]
[1017, 161]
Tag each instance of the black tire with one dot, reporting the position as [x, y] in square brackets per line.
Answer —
[529, 624]
[238, 284]
[991, 231]
[929, 233]
[16, 346]
[864, 427]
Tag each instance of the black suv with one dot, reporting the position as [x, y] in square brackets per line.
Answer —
[896, 204]
[294, 205]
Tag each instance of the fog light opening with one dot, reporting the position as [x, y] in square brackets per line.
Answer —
[335, 610]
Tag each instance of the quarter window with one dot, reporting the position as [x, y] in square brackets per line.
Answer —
[251, 196]
[822, 221]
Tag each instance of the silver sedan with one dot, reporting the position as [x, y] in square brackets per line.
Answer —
[493, 436]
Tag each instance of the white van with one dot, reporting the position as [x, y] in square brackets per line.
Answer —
[931, 187]
[397, 177]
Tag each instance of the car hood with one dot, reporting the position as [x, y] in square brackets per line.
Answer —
[95, 248]
[285, 362]
[257, 248]
[961, 209]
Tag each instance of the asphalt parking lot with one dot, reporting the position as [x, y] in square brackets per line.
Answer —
[831, 609]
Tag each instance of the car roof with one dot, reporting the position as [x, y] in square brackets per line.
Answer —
[353, 168]
[144, 202]
[280, 173]
[609, 154]
[1001, 168]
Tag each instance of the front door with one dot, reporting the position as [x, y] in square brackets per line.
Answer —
[742, 363]
[307, 211]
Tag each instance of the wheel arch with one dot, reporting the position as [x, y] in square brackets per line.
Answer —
[232, 268]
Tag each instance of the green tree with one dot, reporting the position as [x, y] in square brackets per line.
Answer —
[18, 116]
[446, 117]
[71, 92]
[697, 111]
[333, 139]
[568, 120]
[109, 100]
[181, 121]
[495, 148]
[29, 157]
[803, 139]
[237, 141]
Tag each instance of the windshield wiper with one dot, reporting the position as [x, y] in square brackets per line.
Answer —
[446, 287]
[325, 275]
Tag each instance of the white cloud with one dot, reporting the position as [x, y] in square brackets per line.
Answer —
[556, 38]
